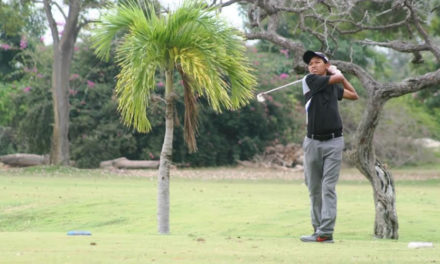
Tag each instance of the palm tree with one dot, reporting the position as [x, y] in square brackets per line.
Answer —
[193, 41]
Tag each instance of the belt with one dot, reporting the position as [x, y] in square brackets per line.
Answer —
[326, 136]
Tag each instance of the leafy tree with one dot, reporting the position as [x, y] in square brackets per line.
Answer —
[208, 55]
[20, 23]
[31, 111]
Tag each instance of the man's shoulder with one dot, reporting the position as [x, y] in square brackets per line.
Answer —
[315, 80]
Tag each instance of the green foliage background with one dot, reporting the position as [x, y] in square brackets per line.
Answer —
[97, 134]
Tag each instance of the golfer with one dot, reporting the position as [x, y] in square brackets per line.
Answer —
[324, 142]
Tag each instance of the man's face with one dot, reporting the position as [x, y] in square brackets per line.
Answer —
[317, 66]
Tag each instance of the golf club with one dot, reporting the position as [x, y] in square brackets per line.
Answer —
[260, 97]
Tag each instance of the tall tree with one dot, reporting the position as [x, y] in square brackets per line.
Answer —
[192, 41]
[62, 57]
[404, 26]
[63, 48]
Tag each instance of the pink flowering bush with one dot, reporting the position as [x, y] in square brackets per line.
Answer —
[72, 92]
[74, 76]
[284, 76]
[23, 42]
[5, 46]
[90, 84]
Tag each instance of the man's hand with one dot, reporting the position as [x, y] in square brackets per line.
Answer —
[333, 70]
[336, 75]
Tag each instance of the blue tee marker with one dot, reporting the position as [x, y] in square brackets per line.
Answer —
[79, 233]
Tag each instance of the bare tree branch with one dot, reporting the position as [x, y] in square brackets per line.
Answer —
[399, 45]
[368, 82]
[55, 3]
[71, 28]
[228, 3]
[296, 48]
[432, 46]
[410, 85]
[60, 9]
[276, 39]
[360, 27]
[321, 37]
[51, 20]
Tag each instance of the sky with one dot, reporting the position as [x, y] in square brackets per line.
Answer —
[230, 13]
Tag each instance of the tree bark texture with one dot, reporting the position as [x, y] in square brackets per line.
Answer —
[163, 180]
[386, 224]
[62, 51]
[59, 153]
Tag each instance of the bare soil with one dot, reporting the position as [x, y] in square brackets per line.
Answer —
[245, 173]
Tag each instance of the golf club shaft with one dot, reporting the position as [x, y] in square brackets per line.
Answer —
[281, 87]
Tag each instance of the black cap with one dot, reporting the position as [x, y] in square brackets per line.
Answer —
[308, 55]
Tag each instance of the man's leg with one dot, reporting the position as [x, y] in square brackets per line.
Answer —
[313, 176]
[332, 152]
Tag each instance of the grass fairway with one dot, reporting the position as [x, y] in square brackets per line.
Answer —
[212, 221]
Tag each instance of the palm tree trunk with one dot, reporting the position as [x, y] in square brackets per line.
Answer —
[163, 188]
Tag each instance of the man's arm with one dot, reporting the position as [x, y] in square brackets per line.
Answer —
[349, 92]
[337, 77]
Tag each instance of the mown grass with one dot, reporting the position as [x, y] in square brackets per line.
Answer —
[212, 221]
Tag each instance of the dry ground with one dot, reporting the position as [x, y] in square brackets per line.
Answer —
[245, 173]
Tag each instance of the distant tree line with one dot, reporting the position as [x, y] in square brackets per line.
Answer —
[96, 133]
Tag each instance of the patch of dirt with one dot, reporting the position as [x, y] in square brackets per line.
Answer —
[246, 173]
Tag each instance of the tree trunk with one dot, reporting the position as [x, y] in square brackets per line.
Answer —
[24, 159]
[124, 163]
[62, 51]
[163, 190]
[386, 224]
[59, 153]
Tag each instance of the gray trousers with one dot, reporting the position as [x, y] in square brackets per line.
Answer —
[322, 163]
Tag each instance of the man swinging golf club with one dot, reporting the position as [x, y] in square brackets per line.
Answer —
[324, 142]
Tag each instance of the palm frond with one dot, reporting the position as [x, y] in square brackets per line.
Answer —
[191, 113]
[216, 52]
[119, 20]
